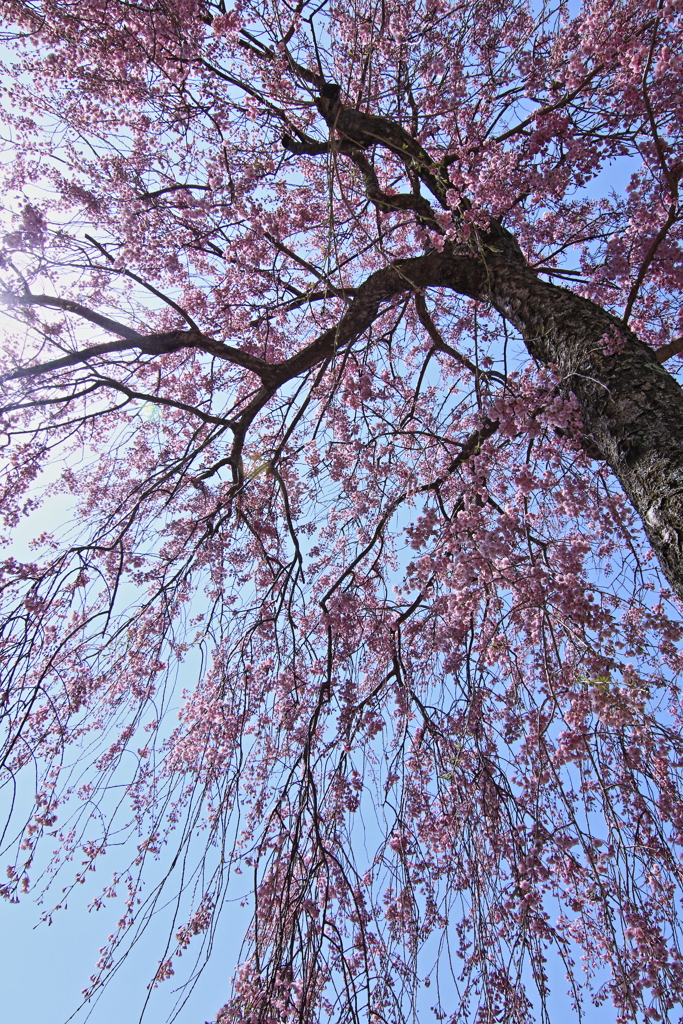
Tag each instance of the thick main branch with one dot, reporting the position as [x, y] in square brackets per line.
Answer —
[629, 404]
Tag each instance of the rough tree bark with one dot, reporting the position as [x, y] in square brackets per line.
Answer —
[317, 476]
[630, 405]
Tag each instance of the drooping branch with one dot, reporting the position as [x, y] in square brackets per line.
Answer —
[68, 306]
[630, 406]
[306, 264]
[671, 218]
[440, 344]
[150, 344]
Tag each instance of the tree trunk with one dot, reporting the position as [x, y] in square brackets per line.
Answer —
[630, 405]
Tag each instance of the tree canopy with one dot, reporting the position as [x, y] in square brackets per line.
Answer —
[346, 333]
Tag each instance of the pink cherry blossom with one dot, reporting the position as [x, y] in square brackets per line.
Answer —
[347, 334]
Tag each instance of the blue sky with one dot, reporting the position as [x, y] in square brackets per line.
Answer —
[44, 968]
